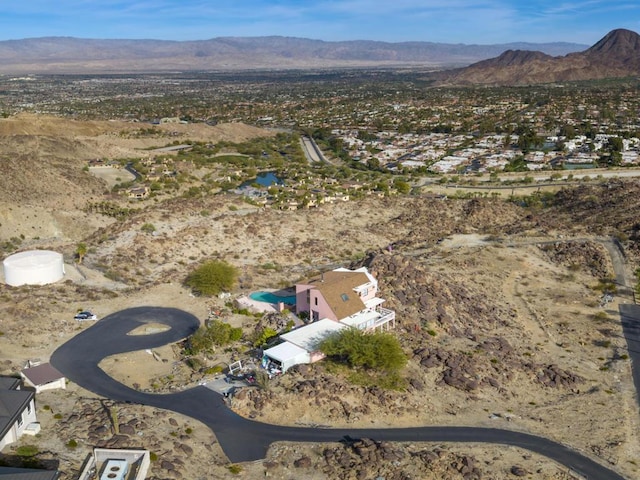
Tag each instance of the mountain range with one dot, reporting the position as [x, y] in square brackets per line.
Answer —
[616, 55]
[92, 56]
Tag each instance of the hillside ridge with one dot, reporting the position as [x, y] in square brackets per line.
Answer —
[616, 55]
[75, 55]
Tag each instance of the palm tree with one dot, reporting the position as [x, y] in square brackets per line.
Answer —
[81, 251]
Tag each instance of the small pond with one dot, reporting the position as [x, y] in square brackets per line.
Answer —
[266, 179]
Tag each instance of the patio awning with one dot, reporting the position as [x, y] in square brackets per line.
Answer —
[284, 352]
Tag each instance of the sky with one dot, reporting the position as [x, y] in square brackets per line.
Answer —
[442, 21]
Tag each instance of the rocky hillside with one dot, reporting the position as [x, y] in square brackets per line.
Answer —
[615, 55]
[45, 187]
[499, 317]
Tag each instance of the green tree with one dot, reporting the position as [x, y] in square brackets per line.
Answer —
[212, 277]
[402, 186]
[568, 131]
[81, 251]
[375, 351]
[615, 144]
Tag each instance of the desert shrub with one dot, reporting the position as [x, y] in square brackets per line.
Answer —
[148, 228]
[27, 451]
[72, 443]
[261, 337]
[214, 370]
[262, 380]
[374, 351]
[216, 334]
[212, 277]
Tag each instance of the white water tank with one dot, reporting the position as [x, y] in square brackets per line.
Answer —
[34, 267]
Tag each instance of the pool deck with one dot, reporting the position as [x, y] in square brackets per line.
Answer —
[258, 306]
[254, 305]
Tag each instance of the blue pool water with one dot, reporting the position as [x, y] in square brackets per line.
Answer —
[271, 298]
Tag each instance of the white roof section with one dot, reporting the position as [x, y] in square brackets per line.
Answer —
[374, 302]
[364, 270]
[285, 352]
[359, 318]
[310, 336]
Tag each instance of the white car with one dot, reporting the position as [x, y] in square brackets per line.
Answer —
[86, 315]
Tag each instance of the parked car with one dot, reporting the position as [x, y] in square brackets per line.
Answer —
[86, 315]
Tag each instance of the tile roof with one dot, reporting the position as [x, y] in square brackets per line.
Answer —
[337, 289]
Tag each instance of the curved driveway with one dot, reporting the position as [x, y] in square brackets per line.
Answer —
[245, 440]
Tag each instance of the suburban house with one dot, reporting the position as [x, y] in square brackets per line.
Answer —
[335, 300]
[138, 192]
[17, 411]
[43, 377]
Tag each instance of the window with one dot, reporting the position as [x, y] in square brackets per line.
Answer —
[365, 292]
[315, 301]
[29, 409]
[20, 420]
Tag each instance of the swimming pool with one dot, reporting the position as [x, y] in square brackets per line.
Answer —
[271, 298]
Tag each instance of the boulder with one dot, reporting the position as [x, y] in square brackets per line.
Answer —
[302, 462]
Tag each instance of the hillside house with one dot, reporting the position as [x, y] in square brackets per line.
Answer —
[141, 191]
[17, 411]
[335, 300]
[346, 296]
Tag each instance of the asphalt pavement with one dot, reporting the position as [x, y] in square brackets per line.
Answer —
[242, 439]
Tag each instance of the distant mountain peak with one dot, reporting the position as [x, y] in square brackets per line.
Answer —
[620, 42]
[518, 57]
[617, 54]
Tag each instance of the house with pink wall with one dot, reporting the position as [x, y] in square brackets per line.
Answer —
[345, 296]
[335, 300]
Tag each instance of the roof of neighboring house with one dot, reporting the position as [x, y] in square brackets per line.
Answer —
[9, 473]
[42, 374]
[337, 289]
[12, 404]
[9, 383]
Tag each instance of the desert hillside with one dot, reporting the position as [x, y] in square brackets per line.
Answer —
[499, 314]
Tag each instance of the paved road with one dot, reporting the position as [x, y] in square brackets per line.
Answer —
[311, 150]
[245, 440]
[539, 177]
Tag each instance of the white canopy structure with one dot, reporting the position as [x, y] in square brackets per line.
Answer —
[301, 344]
[287, 355]
[34, 267]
